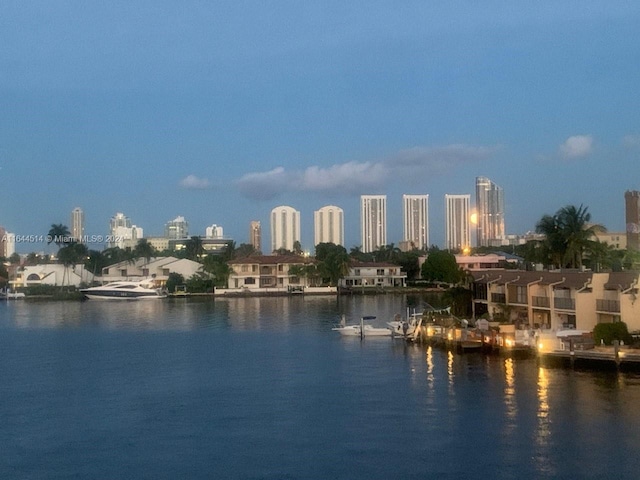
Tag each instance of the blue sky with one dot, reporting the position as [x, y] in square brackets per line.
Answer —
[221, 111]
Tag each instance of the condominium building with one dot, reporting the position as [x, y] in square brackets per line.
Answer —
[77, 224]
[457, 212]
[255, 235]
[285, 228]
[7, 243]
[632, 217]
[123, 233]
[214, 231]
[328, 225]
[373, 222]
[415, 216]
[490, 212]
[176, 228]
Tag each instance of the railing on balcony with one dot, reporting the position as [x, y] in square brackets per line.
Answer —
[499, 298]
[608, 305]
[541, 302]
[564, 303]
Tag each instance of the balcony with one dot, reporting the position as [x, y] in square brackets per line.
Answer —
[612, 306]
[542, 302]
[564, 303]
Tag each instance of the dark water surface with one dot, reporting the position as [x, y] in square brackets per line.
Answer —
[263, 389]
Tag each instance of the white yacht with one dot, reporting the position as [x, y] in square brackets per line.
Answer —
[125, 290]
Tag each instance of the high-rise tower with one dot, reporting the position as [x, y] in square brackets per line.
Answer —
[415, 216]
[255, 235]
[373, 222]
[457, 211]
[632, 217]
[328, 225]
[77, 224]
[490, 211]
[285, 228]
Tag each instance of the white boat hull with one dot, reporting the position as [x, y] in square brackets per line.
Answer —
[369, 331]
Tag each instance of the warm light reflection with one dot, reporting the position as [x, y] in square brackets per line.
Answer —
[510, 391]
[473, 218]
[430, 376]
[543, 433]
[450, 368]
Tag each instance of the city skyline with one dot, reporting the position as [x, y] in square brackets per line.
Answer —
[219, 115]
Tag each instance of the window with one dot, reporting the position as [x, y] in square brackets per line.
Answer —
[244, 268]
[123, 272]
[380, 271]
[249, 281]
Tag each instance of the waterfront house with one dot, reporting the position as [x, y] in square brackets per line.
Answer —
[157, 267]
[558, 299]
[272, 272]
[373, 275]
[53, 274]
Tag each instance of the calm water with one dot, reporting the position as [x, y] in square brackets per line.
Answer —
[263, 389]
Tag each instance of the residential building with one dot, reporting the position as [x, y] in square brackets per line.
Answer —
[328, 225]
[255, 235]
[214, 231]
[457, 217]
[489, 211]
[632, 217]
[285, 228]
[617, 240]
[122, 232]
[77, 224]
[558, 299]
[209, 245]
[176, 228]
[7, 243]
[158, 267]
[415, 215]
[270, 272]
[373, 275]
[373, 222]
[54, 274]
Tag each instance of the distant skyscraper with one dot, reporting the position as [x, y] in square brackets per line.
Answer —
[490, 211]
[415, 215]
[176, 229]
[7, 243]
[457, 211]
[328, 225]
[123, 232]
[255, 235]
[373, 222]
[77, 224]
[285, 228]
[632, 217]
[214, 231]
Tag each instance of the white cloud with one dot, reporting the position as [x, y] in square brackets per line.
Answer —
[359, 177]
[349, 177]
[193, 182]
[265, 185]
[577, 146]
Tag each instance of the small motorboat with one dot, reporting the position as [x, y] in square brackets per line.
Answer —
[400, 327]
[362, 329]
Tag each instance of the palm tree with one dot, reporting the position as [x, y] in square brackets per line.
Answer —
[578, 232]
[144, 249]
[194, 248]
[59, 234]
[568, 235]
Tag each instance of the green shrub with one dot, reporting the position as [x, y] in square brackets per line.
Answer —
[608, 332]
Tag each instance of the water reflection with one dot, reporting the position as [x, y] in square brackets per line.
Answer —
[543, 427]
[510, 403]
